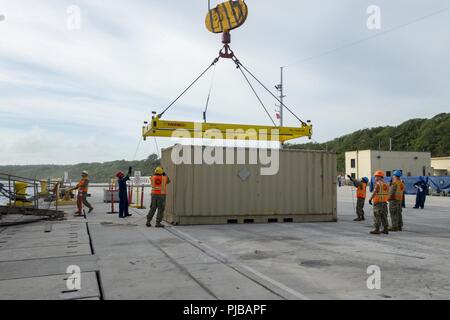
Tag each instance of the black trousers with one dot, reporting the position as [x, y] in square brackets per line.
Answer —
[123, 205]
[420, 199]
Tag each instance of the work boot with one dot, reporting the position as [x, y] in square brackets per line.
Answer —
[90, 210]
[159, 225]
[362, 218]
[394, 229]
[357, 219]
[385, 231]
[376, 231]
[399, 229]
[148, 224]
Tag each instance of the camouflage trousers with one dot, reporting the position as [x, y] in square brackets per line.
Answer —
[395, 209]
[380, 214]
[158, 203]
[360, 207]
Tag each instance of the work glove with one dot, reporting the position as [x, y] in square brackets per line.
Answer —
[370, 202]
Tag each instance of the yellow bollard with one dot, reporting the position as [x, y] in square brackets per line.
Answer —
[20, 189]
[44, 188]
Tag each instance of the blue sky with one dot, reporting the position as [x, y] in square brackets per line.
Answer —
[69, 96]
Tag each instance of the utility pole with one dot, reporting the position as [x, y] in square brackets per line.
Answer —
[390, 144]
[280, 89]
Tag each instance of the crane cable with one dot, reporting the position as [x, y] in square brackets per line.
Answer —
[185, 90]
[209, 94]
[254, 91]
[238, 62]
[239, 66]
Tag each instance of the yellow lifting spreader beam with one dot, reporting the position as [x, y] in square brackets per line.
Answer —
[205, 130]
[227, 16]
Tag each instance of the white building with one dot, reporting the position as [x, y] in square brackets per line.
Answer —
[441, 166]
[364, 163]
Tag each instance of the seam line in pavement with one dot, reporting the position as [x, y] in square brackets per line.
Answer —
[179, 266]
[235, 265]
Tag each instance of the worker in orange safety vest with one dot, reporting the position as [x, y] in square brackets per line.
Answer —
[83, 187]
[159, 182]
[361, 191]
[396, 195]
[380, 198]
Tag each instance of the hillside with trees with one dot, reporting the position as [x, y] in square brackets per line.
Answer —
[431, 135]
[98, 172]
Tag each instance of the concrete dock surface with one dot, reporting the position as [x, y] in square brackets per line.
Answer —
[123, 259]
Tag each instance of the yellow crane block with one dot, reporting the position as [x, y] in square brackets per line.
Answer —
[226, 16]
[183, 129]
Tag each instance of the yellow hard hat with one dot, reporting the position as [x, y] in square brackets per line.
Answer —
[159, 170]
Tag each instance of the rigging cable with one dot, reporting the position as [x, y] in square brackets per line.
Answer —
[137, 149]
[276, 98]
[209, 94]
[185, 90]
[254, 91]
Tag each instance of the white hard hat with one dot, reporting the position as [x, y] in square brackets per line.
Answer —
[85, 173]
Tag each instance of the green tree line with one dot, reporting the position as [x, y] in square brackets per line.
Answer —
[429, 135]
[98, 172]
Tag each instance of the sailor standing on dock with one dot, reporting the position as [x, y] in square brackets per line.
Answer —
[123, 196]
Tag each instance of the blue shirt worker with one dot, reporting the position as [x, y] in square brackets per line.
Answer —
[123, 193]
[421, 195]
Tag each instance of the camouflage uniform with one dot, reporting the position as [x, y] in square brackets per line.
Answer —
[380, 213]
[395, 209]
[360, 207]
[158, 203]
[360, 198]
[380, 207]
[395, 205]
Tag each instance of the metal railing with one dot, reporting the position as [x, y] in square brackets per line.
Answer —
[30, 197]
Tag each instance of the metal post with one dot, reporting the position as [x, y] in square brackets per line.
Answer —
[56, 195]
[36, 194]
[9, 189]
[281, 98]
[280, 89]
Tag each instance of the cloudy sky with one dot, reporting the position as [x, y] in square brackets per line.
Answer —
[80, 95]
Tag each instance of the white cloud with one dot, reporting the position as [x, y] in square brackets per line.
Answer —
[131, 58]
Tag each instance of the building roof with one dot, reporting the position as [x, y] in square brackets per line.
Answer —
[441, 158]
[393, 151]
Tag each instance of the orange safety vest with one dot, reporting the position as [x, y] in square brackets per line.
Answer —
[398, 195]
[382, 194]
[83, 185]
[159, 185]
[361, 190]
